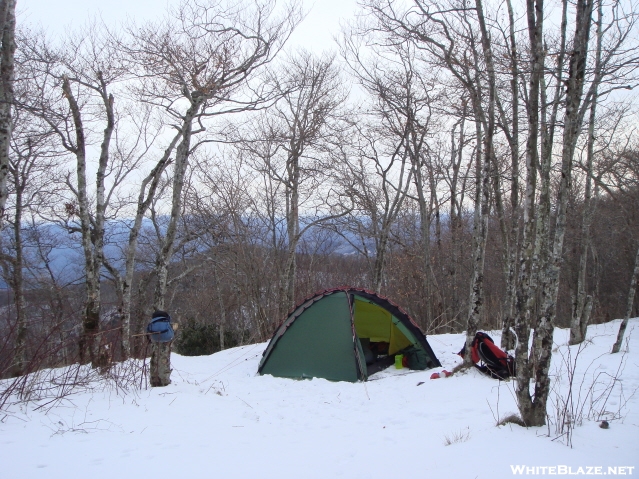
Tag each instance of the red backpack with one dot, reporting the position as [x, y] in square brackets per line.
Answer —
[488, 358]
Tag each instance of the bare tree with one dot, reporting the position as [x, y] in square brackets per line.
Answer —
[582, 304]
[291, 143]
[401, 99]
[77, 81]
[614, 67]
[620, 179]
[196, 65]
[464, 40]
[376, 175]
[32, 171]
[508, 121]
[448, 37]
[149, 186]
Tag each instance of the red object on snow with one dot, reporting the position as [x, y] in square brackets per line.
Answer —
[494, 362]
[442, 374]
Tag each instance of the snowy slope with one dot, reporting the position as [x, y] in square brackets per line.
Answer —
[218, 419]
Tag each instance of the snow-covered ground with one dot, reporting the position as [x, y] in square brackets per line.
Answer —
[218, 419]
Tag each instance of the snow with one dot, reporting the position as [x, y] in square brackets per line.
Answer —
[219, 419]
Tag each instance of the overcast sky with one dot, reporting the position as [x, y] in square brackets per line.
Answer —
[315, 33]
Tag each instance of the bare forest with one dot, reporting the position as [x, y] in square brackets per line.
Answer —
[476, 162]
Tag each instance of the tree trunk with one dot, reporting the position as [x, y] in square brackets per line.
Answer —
[161, 352]
[220, 301]
[482, 195]
[91, 313]
[392, 206]
[151, 181]
[292, 228]
[525, 295]
[455, 216]
[7, 50]
[480, 235]
[380, 259]
[425, 223]
[160, 368]
[631, 299]
[550, 278]
[510, 263]
[182, 155]
[17, 284]
[582, 306]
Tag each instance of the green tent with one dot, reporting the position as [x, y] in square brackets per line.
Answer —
[345, 334]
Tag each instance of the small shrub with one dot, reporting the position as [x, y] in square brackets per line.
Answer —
[197, 339]
[459, 436]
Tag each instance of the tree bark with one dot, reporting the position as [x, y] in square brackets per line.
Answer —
[160, 366]
[485, 159]
[543, 336]
[425, 211]
[511, 239]
[480, 235]
[292, 220]
[631, 299]
[7, 51]
[456, 216]
[147, 193]
[182, 156]
[525, 294]
[91, 314]
[582, 305]
[17, 282]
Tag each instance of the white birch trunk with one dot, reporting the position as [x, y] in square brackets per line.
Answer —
[182, 154]
[7, 50]
[145, 198]
[543, 336]
[525, 295]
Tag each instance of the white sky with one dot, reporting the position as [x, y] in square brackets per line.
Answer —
[315, 33]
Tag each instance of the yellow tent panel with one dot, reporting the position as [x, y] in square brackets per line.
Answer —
[376, 323]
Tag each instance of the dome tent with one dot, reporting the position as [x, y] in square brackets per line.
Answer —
[344, 334]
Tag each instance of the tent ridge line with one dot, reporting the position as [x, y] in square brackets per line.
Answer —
[326, 292]
[312, 298]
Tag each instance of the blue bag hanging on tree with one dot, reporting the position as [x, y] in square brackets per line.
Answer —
[159, 330]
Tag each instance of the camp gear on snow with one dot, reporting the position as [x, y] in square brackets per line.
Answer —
[344, 334]
[159, 330]
[488, 358]
[398, 361]
[441, 374]
[416, 358]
